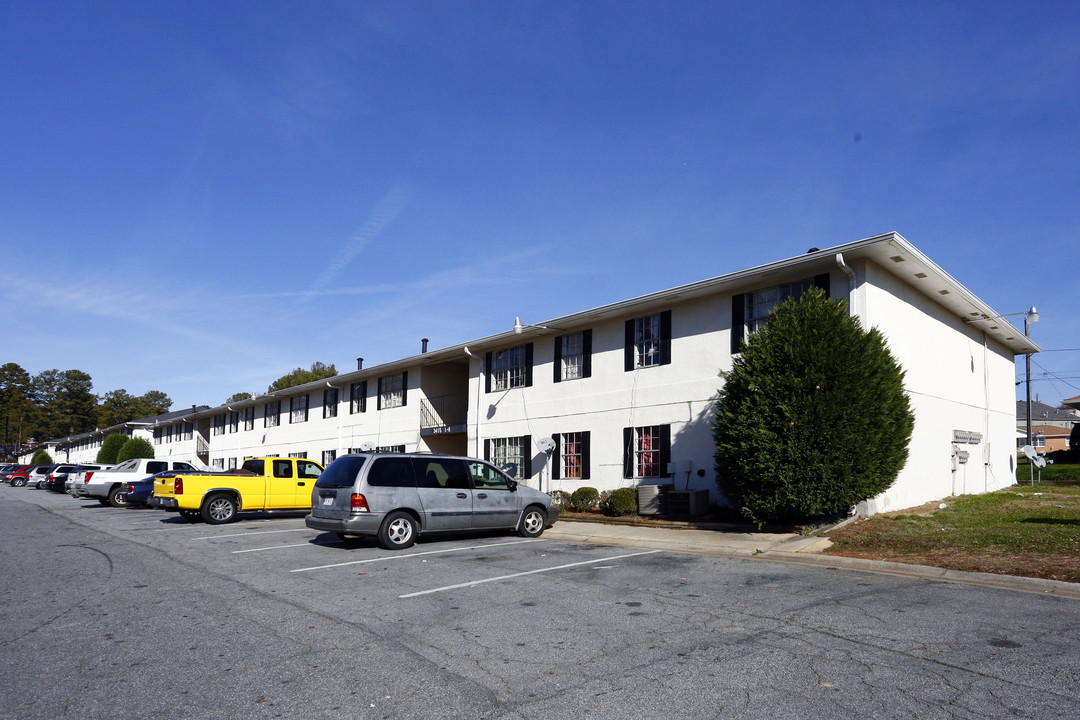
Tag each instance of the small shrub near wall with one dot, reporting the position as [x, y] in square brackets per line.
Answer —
[584, 499]
[621, 502]
[561, 498]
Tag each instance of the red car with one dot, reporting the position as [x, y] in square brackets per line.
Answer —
[10, 470]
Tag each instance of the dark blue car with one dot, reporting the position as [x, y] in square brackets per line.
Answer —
[137, 492]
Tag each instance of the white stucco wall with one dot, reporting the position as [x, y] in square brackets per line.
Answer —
[956, 379]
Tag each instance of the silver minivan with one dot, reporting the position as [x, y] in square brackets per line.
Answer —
[396, 497]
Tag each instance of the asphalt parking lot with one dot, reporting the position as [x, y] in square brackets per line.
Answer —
[266, 618]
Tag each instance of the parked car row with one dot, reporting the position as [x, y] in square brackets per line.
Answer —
[393, 497]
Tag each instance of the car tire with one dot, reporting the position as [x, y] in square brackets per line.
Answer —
[40, 484]
[532, 522]
[191, 515]
[18, 483]
[116, 498]
[398, 531]
[219, 509]
[104, 501]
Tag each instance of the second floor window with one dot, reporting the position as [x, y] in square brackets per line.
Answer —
[234, 422]
[393, 390]
[358, 397]
[272, 414]
[329, 402]
[219, 424]
[648, 341]
[249, 418]
[298, 409]
[509, 368]
[573, 356]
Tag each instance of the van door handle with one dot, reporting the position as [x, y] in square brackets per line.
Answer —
[463, 495]
[481, 495]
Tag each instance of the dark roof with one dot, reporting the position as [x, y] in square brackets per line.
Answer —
[1042, 411]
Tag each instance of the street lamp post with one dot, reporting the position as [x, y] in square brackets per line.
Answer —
[1031, 317]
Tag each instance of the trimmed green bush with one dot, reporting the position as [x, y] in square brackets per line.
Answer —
[110, 447]
[41, 457]
[812, 418]
[621, 502]
[561, 498]
[135, 447]
[584, 499]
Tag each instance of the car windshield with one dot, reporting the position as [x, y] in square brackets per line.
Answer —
[340, 473]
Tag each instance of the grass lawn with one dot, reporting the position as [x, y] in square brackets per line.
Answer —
[1032, 531]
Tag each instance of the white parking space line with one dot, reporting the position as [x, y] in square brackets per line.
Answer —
[529, 572]
[283, 547]
[384, 558]
[256, 532]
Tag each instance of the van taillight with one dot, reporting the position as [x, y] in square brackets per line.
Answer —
[178, 486]
[358, 503]
[89, 474]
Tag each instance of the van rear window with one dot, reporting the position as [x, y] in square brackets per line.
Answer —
[340, 473]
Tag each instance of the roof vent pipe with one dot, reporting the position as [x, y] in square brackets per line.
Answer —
[359, 363]
[423, 345]
[851, 283]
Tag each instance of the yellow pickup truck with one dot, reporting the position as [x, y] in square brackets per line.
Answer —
[261, 483]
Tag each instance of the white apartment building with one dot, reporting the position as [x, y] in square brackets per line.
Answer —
[621, 395]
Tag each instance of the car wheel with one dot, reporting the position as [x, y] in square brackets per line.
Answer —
[18, 483]
[191, 515]
[40, 484]
[218, 509]
[104, 501]
[398, 531]
[532, 522]
[116, 498]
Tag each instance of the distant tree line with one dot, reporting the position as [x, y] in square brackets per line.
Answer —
[58, 403]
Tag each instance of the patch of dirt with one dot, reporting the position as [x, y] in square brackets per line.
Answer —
[1034, 565]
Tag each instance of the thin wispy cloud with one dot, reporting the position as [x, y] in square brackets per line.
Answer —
[388, 208]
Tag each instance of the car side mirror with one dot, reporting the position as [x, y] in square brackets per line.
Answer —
[512, 485]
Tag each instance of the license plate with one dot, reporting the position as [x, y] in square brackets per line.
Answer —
[328, 501]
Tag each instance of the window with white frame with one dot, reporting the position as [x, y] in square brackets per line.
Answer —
[272, 414]
[219, 424]
[390, 449]
[392, 390]
[234, 421]
[219, 463]
[646, 451]
[358, 397]
[329, 402]
[1039, 439]
[298, 454]
[157, 436]
[648, 341]
[249, 418]
[328, 456]
[760, 303]
[231, 464]
[511, 454]
[570, 356]
[298, 407]
[509, 368]
[570, 458]
[189, 430]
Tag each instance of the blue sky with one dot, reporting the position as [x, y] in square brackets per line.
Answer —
[199, 197]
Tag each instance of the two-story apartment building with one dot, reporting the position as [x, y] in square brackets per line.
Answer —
[621, 395]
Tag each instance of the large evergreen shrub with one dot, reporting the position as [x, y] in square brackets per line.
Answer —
[110, 447]
[41, 457]
[812, 418]
[135, 447]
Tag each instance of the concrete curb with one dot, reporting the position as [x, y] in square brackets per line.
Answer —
[790, 549]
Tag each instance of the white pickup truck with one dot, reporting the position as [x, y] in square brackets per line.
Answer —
[108, 485]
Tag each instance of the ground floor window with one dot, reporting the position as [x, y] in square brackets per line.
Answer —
[570, 458]
[298, 455]
[390, 448]
[328, 456]
[646, 451]
[511, 454]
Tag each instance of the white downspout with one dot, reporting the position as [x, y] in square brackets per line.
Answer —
[851, 284]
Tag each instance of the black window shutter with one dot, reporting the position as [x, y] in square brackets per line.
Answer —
[629, 350]
[665, 450]
[556, 375]
[556, 464]
[665, 337]
[628, 452]
[586, 353]
[527, 452]
[487, 450]
[363, 396]
[487, 375]
[585, 455]
[528, 364]
[738, 322]
[405, 388]
[823, 282]
[378, 393]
